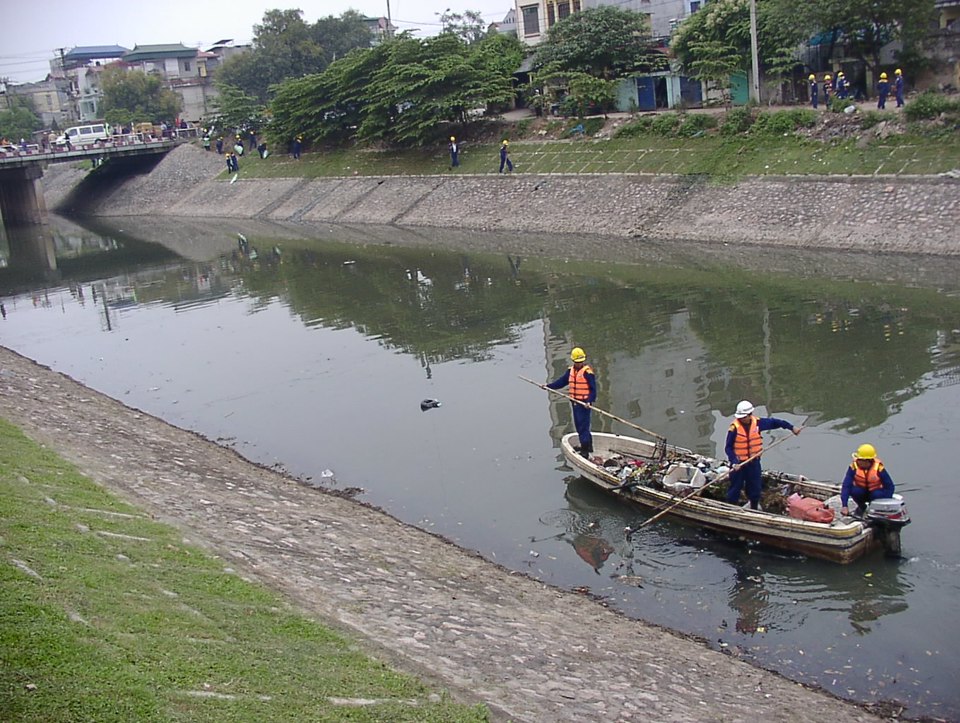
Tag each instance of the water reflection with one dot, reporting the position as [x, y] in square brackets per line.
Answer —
[269, 346]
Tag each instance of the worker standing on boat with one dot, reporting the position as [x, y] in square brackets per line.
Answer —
[743, 442]
[866, 480]
[583, 388]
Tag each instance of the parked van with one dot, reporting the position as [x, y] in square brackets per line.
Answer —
[85, 135]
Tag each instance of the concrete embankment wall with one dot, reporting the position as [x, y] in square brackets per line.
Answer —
[898, 214]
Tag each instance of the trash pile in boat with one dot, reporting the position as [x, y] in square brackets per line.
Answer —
[683, 477]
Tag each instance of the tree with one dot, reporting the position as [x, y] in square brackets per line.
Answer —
[865, 26]
[133, 96]
[582, 91]
[236, 109]
[338, 36]
[714, 63]
[401, 92]
[19, 120]
[605, 42]
[285, 47]
[468, 26]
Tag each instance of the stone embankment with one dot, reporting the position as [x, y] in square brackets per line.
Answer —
[888, 214]
[529, 651]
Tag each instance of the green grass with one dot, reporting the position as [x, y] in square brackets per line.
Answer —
[715, 156]
[95, 627]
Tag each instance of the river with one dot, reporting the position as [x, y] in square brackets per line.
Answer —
[314, 356]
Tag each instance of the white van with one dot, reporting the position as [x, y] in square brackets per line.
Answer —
[85, 135]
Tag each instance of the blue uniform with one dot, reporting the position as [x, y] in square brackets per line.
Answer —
[814, 93]
[750, 473]
[860, 495]
[899, 90]
[883, 90]
[505, 159]
[581, 414]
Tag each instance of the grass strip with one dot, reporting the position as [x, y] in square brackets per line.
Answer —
[106, 615]
[715, 156]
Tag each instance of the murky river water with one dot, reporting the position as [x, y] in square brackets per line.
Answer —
[314, 356]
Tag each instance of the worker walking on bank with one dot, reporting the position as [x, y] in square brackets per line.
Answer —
[883, 90]
[866, 480]
[454, 153]
[583, 388]
[814, 90]
[743, 442]
[898, 87]
[843, 89]
[505, 156]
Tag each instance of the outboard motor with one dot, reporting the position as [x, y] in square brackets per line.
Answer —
[887, 517]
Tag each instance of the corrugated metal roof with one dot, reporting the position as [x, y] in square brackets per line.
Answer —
[151, 52]
[83, 53]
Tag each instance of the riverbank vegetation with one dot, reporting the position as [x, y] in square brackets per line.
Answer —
[726, 145]
[108, 615]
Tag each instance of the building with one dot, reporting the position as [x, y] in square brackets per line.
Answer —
[184, 71]
[380, 29]
[535, 17]
[51, 101]
[653, 91]
[507, 26]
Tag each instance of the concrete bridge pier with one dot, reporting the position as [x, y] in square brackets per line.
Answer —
[32, 254]
[21, 196]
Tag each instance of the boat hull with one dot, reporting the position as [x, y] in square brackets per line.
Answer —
[843, 540]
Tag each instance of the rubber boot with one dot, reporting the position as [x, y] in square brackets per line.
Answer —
[586, 450]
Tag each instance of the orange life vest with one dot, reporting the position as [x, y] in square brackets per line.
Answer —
[579, 388]
[748, 442]
[868, 479]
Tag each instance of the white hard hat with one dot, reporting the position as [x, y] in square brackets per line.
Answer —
[744, 409]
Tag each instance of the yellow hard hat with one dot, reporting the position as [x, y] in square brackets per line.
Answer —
[812, 77]
[840, 74]
[865, 451]
[883, 76]
[827, 76]
[898, 71]
[505, 143]
[452, 138]
[578, 354]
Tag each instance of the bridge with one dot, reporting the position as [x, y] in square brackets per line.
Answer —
[21, 194]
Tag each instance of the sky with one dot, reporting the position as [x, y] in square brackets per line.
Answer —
[31, 34]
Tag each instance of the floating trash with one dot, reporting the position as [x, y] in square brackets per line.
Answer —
[429, 404]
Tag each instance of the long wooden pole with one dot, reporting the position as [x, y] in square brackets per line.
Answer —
[721, 478]
[598, 410]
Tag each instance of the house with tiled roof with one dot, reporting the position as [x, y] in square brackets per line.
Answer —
[184, 70]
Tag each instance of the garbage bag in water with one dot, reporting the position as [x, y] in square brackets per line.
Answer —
[429, 404]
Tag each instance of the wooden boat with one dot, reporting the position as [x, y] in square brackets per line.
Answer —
[656, 476]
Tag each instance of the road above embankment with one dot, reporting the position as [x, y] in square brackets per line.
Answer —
[894, 214]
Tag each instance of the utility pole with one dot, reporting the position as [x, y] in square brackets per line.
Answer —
[389, 23]
[755, 86]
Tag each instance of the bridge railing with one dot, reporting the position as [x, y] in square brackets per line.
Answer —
[126, 140]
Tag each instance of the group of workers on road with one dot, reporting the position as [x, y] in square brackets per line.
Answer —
[841, 86]
[865, 479]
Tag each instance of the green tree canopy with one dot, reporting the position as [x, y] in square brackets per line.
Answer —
[863, 27]
[468, 25]
[285, 47]
[18, 121]
[135, 97]
[236, 109]
[400, 92]
[605, 42]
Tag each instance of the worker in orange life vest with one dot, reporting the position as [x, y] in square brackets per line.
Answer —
[866, 479]
[744, 442]
[583, 387]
